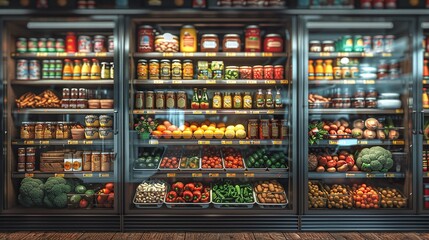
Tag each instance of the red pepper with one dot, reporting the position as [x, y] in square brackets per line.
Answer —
[171, 196]
[188, 196]
[206, 189]
[197, 196]
[189, 187]
[180, 200]
[178, 187]
[198, 186]
[205, 197]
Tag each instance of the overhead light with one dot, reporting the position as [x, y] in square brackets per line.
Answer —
[350, 25]
[70, 25]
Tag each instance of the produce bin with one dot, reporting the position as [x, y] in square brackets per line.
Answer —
[170, 153]
[138, 163]
[219, 153]
[74, 200]
[317, 199]
[159, 196]
[338, 196]
[190, 152]
[232, 205]
[392, 197]
[224, 161]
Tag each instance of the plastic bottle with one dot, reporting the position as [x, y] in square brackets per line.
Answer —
[68, 70]
[77, 69]
[95, 70]
[329, 72]
[320, 71]
[86, 70]
[425, 69]
[310, 70]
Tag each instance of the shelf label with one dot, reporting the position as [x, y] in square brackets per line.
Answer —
[72, 142]
[42, 54]
[210, 81]
[398, 142]
[29, 175]
[231, 54]
[251, 82]
[231, 82]
[255, 112]
[343, 54]
[325, 54]
[284, 81]
[350, 175]
[363, 142]
[80, 54]
[267, 54]
[167, 54]
[158, 81]
[87, 175]
[88, 142]
[104, 175]
[213, 174]
[101, 54]
[270, 111]
[277, 142]
[231, 175]
[249, 175]
[370, 175]
[256, 142]
[211, 54]
[389, 175]
[63, 54]
[186, 54]
[197, 175]
[243, 142]
[29, 142]
[171, 175]
[368, 82]
[250, 54]
[197, 112]
[153, 141]
[177, 81]
[399, 111]
[45, 142]
[270, 81]
[201, 142]
[240, 112]
[367, 54]
[386, 54]
[149, 111]
[59, 175]
[333, 142]
[349, 82]
[223, 142]
[211, 112]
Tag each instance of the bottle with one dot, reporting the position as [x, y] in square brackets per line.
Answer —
[112, 71]
[329, 72]
[95, 70]
[86, 70]
[238, 101]
[310, 70]
[247, 100]
[217, 101]
[227, 101]
[68, 70]
[260, 99]
[426, 69]
[269, 101]
[71, 42]
[105, 70]
[425, 98]
[204, 100]
[278, 100]
[320, 71]
[195, 104]
[77, 69]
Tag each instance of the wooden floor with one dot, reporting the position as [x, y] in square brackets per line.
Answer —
[210, 236]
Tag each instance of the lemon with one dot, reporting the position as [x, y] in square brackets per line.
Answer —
[187, 134]
[208, 134]
[239, 127]
[218, 134]
[229, 133]
[230, 127]
[204, 127]
[240, 134]
[198, 134]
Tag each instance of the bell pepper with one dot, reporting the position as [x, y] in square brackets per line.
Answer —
[178, 187]
[206, 189]
[189, 187]
[197, 196]
[198, 186]
[188, 196]
[205, 197]
[180, 200]
[171, 196]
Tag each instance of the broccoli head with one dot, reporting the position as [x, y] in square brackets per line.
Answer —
[366, 167]
[56, 189]
[376, 165]
[31, 192]
[359, 162]
[389, 164]
[366, 159]
[382, 159]
[375, 159]
[364, 151]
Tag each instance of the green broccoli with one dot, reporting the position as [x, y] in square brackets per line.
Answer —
[359, 162]
[366, 159]
[376, 165]
[366, 167]
[382, 159]
[31, 192]
[389, 164]
[364, 151]
[56, 190]
[375, 159]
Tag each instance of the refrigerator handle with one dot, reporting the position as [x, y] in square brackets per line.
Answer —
[414, 117]
[422, 118]
[115, 130]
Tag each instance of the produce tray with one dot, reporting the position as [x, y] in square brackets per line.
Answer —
[213, 169]
[232, 205]
[89, 197]
[185, 205]
[313, 200]
[271, 205]
[103, 205]
[234, 169]
[150, 205]
[167, 153]
[150, 169]
[393, 199]
[271, 152]
[184, 154]
[333, 200]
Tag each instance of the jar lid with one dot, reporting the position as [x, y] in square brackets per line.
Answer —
[159, 91]
[209, 35]
[181, 92]
[105, 153]
[51, 39]
[278, 66]
[230, 35]
[268, 66]
[176, 60]
[188, 26]
[371, 99]
[217, 93]
[139, 91]
[229, 67]
[142, 60]
[149, 92]
[358, 99]
[187, 61]
[33, 39]
[245, 67]
[99, 36]
[91, 116]
[273, 35]
[257, 66]
[170, 92]
[328, 42]
[165, 60]
[95, 152]
[111, 37]
[314, 42]
[153, 60]
[146, 26]
[86, 152]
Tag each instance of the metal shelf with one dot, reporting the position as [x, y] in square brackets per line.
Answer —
[313, 55]
[426, 111]
[354, 111]
[107, 176]
[356, 81]
[61, 55]
[58, 142]
[48, 82]
[325, 175]
[62, 111]
[211, 174]
[357, 142]
[210, 55]
[194, 82]
[168, 142]
[211, 111]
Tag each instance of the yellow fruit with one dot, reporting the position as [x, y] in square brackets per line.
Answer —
[240, 134]
[177, 134]
[230, 127]
[208, 134]
[198, 134]
[204, 127]
[187, 134]
[187, 129]
[213, 128]
[218, 134]
[220, 125]
[222, 129]
[229, 133]
[212, 125]
[166, 134]
[238, 127]
[193, 127]
[172, 128]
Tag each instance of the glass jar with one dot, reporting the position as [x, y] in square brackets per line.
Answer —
[245, 72]
[165, 69]
[153, 69]
[139, 100]
[39, 130]
[209, 43]
[347, 103]
[247, 100]
[170, 101]
[358, 102]
[142, 69]
[284, 129]
[188, 69]
[227, 101]
[359, 93]
[279, 72]
[21, 151]
[181, 100]
[176, 69]
[65, 103]
[217, 100]
[49, 130]
[145, 39]
[252, 39]
[264, 129]
[96, 161]
[273, 43]
[188, 39]
[371, 102]
[86, 161]
[315, 46]
[26, 131]
[99, 43]
[231, 43]
[328, 46]
[371, 93]
[237, 101]
[269, 72]
[260, 99]
[166, 43]
[231, 73]
[160, 100]
[150, 100]
[258, 72]
[105, 161]
[275, 129]
[81, 103]
[252, 129]
[66, 92]
[337, 103]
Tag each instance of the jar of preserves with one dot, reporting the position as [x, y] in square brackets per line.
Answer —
[39, 130]
[258, 72]
[217, 100]
[269, 72]
[30, 150]
[358, 102]
[227, 101]
[30, 158]
[209, 43]
[150, 100]
[328, 46]
[21, 151]
[275, 128]
[337, 103]
[237, 101]
[247, 100]
[81, 103]
[166, 43]
[96, 161]
[21, 158]
[188, 69]
[26, 131]
[170, 100]
[165, 69]
[142, 69]
[49, 130]
[105, 71]
[371, 102]
[86, 161]
[188, 39]
[231, 43]
[264, 129]
[181, 100]
[273, 43]
[160, 100]
[139, 100]
[111, 44]
[346, 103]
[145, 39]
[260, 99]
[72, 103]
[245, 72]
[29, 167]
[176, 69]
[279, 72]
[371, 93]
[269, 100]
[99, 43]
[105, 161]
[153, 69]
[359, 93]
[21, 167]
[65, 103]
[284, 129]
[252, 41]
[315, 46]
[252, 129]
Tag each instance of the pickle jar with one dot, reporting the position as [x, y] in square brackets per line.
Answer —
[181, 100]
[139, 100]
[237, 101]
[247, 100]
[176, 69]
[160, 100]
[188, 69]
[150, 100]
[142, 69]
[217, 100]
[165, 69]
[170, 100]
[154, 69]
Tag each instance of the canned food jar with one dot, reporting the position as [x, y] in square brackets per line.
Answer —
[275, 129]
[49, 130]
[252, 41]
[358, 43]
[153, 69]
[284, 129]
[160, 100]
[264, 129]
[367, 43]
[32, 45]
[139, 100]
[378, 43]
[142, 69]
[96, 161]
[99, 43]
[81, 103]
[166, 43]
[21, 151]
[170, 100]
[279, 72]
[150, 100]
[231, 73]
[337, 73]
[371, 102]
[358, 102]
[347, 43]
[315, 46]
[245, 72]
[176, 69]
[65, 103]
[389, 43]
[231, 43]
[209, 43]
[188, 69]
[145, 39]
[181, 100]
[22, 69]
[258, 72]
[165, 69]
[328, 46]
[345, 73]
[105, 161]
[72, 103]
[188, 39]
[34, 70]
[84, 44]
[50, 45]
[21, 158]
[111, 43]
[273, 43]
[41, 45]
[21, 45]
[252, 129]
[268, 72]
[59, 45]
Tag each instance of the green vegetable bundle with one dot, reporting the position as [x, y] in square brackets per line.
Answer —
[227, 192]
[375, 159]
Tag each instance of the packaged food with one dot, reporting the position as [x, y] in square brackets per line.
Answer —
[181, 100]
[188, 69]
[203, 70]
[245, 72]
[328, 46]
[209, 43]
[27, 130]
[99, 43]
[258, 72]
[252, 41]
[139, 100]
[231, 73]
[106, 103]
[165, 69]
[150, 100]
[96, 161]
[105, 133]
[231, 43]
[273, 43]
[106, 121]
[86, 161]
[145, 39]
[166, 43]
[21, 45]
[92, 121]
[279, 72]
[269, 72]
[176, 69]
[170, 100]
[77, 162]
[105, 161]
[315, 46]
[94, 103]
[160, 100]
[68, 162]
[247, 100]
[217, 69]
[188, 39]
[91, 133]
[84, 44]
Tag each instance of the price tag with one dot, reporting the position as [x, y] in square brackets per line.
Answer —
[171, 175]
[44, 142]
[270, 82]
[87, 175]
[88, 142]
[270, 111]
[210, 81]
[267, 54]
[284, 81]
[277, 142]
[211, 54]
[29, 175]
[250, 54]
[343, 54]
[368, 82]
[256, 142]
[325, 54]
[63, 54]
[231, 82]
[213, 174]
[231, 54]
[158, 81]
[399, 111]
[333, 142]
[249, 175]
[367, 54]
[29, 142]
[59, 175]
[211, 112]
[153, 141]
[197, 175]
[177, 81]
[80, 54]
[188, 54]
[255, 112]
[197, 112]
[168, 54]
[223, 142]
[350, 175]
[231, 175]
[362, 142]
[101, 54]
[386, 54]
[251, 82]
[349, 82]
[72, 142]
[41, 54]
[370, 175]
[200, 142]
[240, 112]
[104, 175]
[398, 142]
[242, 142]
[149, 111]
[389, 175]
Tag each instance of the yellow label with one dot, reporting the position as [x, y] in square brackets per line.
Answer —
[255, 112]
[78, 54]
[389, 175]
[87, 175]
[362, 142]
[72, 142]
[343, 54]
[256, 142]
[367, 54]
[251, 82]
[197, 175]
[325, 54]
[59, 174]
[213, 174]
[167, 54]
[197, 112]
[223, 142]
[277, 142]
[104, 175]
[399, 111]
[63, 54]
[101, 54]
[29, 175]
[42, 54]
[231, 54]
[368, 82]
[177, 81]
[210, 81]
[249, 175]
[350, 175]
[211, 112]
[284, 81]
[398, 142]
[29, 142]
[153, 142]
[270, 111]
[171, 175]
[349, 82]
[231, 82]
[240, 112]
[200, 142]
[370, 175]
[188, 54]
[242, 142]
[267, 54]
[333, 142]
[386, 54]
[44, 142]
[211, 54]
[88, 142]
[231, 175]
[158, 81]
[270, 81]
[250, 54]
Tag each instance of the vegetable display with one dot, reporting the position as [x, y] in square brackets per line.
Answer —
[149, 159]
[211, 158]
[193, 192]
[324, 160]
[263, 158]
[31, 192]
[56, 190]
[392, 198]
[227, 192]
[316, 132]
[171, 158]
[232, 158]
[150, 192]
[365, 196]
[374, 159]
[316, 196]
[190, 159]
[105, 196]
[90, 195]
[339, 196]
[270, 192]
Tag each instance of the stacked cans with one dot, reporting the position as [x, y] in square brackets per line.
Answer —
[52, 69]
[26, 159]
[34, 45]
[27, 69]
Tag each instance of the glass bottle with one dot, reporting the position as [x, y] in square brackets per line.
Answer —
[278, 99]
[217, 101]
[105, 70]
[112, 70]
[238, 101]
[195, 104]
[425, 98]
[426, 69]
[95, 70]
[269, 101]
[227, 101]
[204, 101]
[247, 100]
[68, 70]
[320, 71]
[77, 69]
[329, 72]
[260, 99]
[86, 70]
[310, 70]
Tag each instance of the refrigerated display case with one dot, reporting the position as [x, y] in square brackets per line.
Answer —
[357, 93]
[61, 124]
[198, 98]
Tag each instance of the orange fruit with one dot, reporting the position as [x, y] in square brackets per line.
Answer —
[177, 134]
[187, 134]
[208, 134]
[167, 134]
[167, 124]
[204, 127]
[193, 127]
[172, 128]
[157, 134]
[161, 128]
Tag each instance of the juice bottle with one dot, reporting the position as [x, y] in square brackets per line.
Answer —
[95, 70]
[269, 101]
[204, 101]
[195, 104]
[260, 99]
[68, 70]
[77, 69]
[310, 70]
[86, 70]
[320, 71]
[329, 72]
[425, 69]
[227, 101]
[425, 99]
[278, 100]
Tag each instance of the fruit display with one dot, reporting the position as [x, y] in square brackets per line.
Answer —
[90, 196]
[46, 99]
[232, 158]
[269, 192]
[228, 192]
[192, 192]
[338, 196]
[316, 196]
[105, 196]
[150, 192]
[374, 159]
[324, 160]
[365, 196]
[392, 198]
[149, 158]
[211, 158]
[171, 158]
[190, 158]
[264, 158]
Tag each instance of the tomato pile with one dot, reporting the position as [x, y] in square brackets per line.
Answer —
[365, 196]
[233, 158]
[211, 158]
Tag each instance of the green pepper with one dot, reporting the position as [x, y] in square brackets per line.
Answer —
[219, 194]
